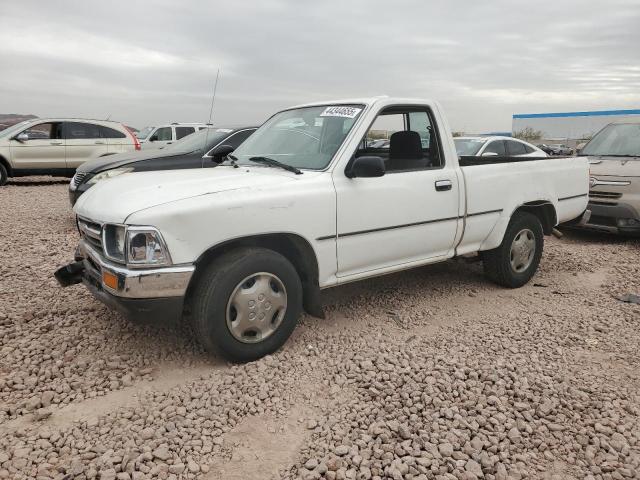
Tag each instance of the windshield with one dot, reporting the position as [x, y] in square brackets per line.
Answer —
[615, 139]
[305, 138]
[201, 140]
[468, 146]
[144, 133]
[7, 132]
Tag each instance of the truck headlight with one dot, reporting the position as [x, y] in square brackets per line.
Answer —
[113, 241]
[145, 246]
[109, 174]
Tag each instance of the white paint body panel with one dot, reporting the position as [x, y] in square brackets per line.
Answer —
[199, 209]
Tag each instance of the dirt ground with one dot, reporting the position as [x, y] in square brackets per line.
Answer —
[431, 373]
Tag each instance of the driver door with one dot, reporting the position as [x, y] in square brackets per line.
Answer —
[43, 150]
[407, 216]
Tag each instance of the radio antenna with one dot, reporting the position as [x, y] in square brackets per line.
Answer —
[213, 99]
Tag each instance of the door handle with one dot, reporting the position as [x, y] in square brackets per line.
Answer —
[443, 185]
[56, 143]
[99, 143]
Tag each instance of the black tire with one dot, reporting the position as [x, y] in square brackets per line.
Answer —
[4, 176]
[497, 262]
[214, 287]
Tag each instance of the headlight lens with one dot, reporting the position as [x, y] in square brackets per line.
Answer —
[135, 246]
[145, 246]
[109, 174]
[114, 242]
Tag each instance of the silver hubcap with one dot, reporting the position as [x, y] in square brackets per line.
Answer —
[523, 249]
[256, 307]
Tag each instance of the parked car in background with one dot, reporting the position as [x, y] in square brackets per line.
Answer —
[614, 195]
[545, 148]
[193, 151]
[57, 146]
[560, 149]
[302, 205]
[162, 135]
[496, 146]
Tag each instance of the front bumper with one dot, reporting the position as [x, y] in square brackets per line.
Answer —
[143, 294]
[618, 218]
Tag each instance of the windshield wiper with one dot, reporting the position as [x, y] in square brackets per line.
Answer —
[275, 163]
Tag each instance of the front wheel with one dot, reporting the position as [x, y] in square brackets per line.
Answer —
[4, 176]
[516, 260]
[246, 303]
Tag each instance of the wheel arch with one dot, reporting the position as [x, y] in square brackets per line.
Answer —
[544, 210]
[293, 247]
[7, 165]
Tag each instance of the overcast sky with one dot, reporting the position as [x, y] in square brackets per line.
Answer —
[149, 62]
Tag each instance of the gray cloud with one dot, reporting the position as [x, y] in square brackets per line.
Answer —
[145, 62]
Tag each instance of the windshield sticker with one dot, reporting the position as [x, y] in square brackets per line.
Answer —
[346, 112]
[224, 130]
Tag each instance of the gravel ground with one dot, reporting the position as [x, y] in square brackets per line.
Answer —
[433, 373]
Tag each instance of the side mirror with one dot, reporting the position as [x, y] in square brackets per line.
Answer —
[22, 137]
[153, 138]
[489, 154]
[221, 151]
[367, 167]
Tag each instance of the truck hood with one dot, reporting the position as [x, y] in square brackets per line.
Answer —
[108, 162]
[115, 199]
[615, 166]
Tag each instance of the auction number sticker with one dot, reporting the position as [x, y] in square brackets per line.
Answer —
[341, 111]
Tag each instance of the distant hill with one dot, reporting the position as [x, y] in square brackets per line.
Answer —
[8, 119]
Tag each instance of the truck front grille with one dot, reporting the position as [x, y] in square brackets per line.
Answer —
[605, 195]
[78, 177]
[91, 232]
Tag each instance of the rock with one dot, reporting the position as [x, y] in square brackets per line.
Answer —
[162, 453]
[311, 464]
[341, 450]
[473, 467]
[445, 449]
[108, 474]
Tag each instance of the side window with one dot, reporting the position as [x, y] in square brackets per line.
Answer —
[528, 149]
[515, 148]
[162, 134]
[183, 132]
[497, 147]
[81, 131]
[111, 133]
[412, 143]
[44, 131]
[237, 138]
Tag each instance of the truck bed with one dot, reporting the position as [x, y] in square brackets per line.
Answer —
[494, 192]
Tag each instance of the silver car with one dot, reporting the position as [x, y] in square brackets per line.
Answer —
[57, 146]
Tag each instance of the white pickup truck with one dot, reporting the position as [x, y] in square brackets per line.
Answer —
[305, 204]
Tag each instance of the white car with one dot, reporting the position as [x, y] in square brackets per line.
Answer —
[496, 146]
[302, 205]
[161, 135]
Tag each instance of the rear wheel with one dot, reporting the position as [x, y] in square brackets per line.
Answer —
[4, 176]
[516, 260]
[246, 303]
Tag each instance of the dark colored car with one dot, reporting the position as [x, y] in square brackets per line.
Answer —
[197, 150]
[546, 149]
[560, 149]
